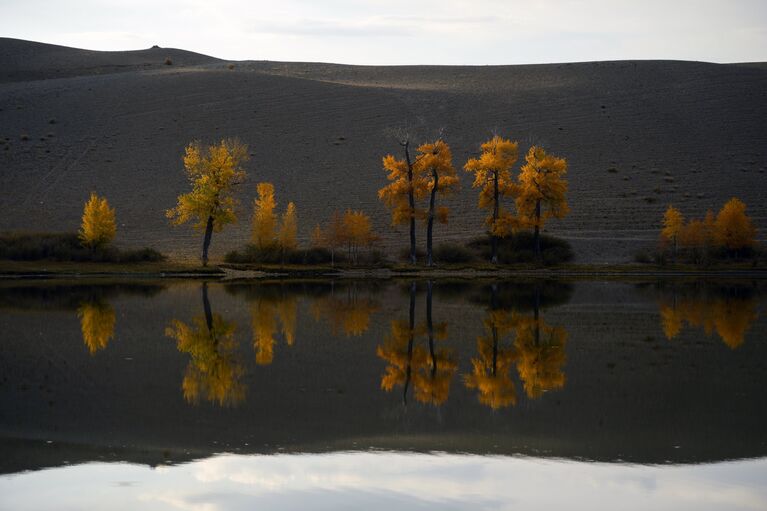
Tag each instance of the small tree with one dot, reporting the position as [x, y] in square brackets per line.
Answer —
[672, 227]
[288, 229]
[335, 235]
[318, 239]
[436, 162]
[406, 186]
[492, 174]
[264, 217]
[212, 172]
[98, 227]
[358, 232]
[734, 229]
[542, 190]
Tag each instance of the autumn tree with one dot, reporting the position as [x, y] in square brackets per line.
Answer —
[264, 218]
[98, 226]
[357, 231]
[672, 226]
[542, 191]
[318, 238]
[213, 172]
[288, 228]
[435, 162]
[405, 187]
[734, 229]
[492, 174]
[214, 372]
[97, 323]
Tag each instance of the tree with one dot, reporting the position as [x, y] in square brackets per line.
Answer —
[693, 237]
[542, 191]
[288, 228]
[436, 164]
[264, 218]
[335, 235]
[405, 187]
[357, 232]
[492, 174]
[98, 227]
[734, 229]
[212, 172]
[318, 239]
[672, 226]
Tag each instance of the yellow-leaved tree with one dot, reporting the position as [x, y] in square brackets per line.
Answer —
[435, 162]
[542, 191]
[98, 226]
[492, 174]
[212, 171]
[288, 229]
[405, 187]
[734, 229]
[264, 218]
[672, 227]
[357, 231]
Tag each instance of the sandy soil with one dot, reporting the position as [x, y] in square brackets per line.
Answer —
[687, 133]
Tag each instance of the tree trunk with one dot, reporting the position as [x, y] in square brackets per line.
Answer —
[411, 201]
[206, 307]
[493, 237]
[206, 240]
[430, 224]
[538, 230]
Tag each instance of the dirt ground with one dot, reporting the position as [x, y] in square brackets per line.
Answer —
[638, 135]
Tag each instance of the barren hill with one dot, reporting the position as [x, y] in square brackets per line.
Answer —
[638, 135]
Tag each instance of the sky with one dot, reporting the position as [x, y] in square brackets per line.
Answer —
[380, 32]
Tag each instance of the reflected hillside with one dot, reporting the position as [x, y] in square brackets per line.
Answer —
[725, 310]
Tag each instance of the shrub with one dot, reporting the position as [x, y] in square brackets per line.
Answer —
[520, 248]
[453, 253]
[168, 62]
[404, 254]
[67, 247]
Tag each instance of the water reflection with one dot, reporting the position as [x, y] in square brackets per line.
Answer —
[97, 322]
[215, 371]
[430, 369]
[728, 310]
[347, 310]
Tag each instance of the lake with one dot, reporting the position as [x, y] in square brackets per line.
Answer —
[346, 394]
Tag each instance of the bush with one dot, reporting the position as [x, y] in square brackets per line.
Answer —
[168, 62]
[520, 248]
[67, 247]
[453, 253]
[404, 254]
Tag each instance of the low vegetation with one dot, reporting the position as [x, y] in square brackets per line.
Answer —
[67, 247]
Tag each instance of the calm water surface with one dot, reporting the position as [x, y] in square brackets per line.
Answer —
[364, 395]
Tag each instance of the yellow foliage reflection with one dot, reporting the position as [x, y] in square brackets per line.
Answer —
[348, 315]
[214, 372]
[265, 312]
[490, 369]
[540, 354]
[97, 322]
[729, 316]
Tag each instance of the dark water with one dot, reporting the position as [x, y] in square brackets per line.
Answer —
[360, 395]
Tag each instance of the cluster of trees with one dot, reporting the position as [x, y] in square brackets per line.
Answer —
[539, 191]
[731, 230]
[214, 172]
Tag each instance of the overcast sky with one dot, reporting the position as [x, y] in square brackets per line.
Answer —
[405, 31]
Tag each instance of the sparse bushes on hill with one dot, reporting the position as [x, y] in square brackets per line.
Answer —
[520, 248]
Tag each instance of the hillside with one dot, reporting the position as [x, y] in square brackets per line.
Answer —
[638, 135]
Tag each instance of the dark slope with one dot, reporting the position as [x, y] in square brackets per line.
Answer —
[686, 133]
[26, 60]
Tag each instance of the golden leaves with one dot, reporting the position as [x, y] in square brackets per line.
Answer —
[541, 182]
[264, 219]
[734, 229]
[97, 323]
[212, 172]
[98, 224]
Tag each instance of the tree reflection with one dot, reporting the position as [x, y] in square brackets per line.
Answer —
[490, 374]
[214, 372]
[727, 310]
[346, 311]
[97, 322]
[538, 352]
[429, 370]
